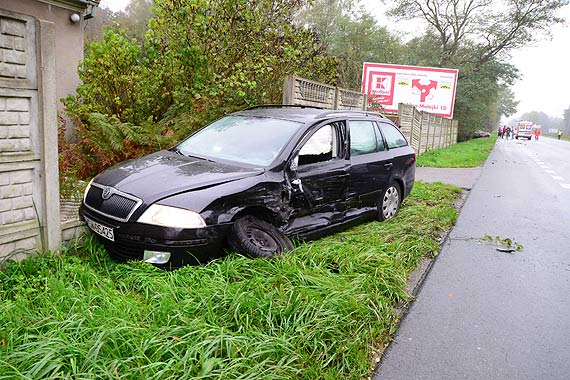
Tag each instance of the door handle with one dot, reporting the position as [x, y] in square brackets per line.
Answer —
[388, 166]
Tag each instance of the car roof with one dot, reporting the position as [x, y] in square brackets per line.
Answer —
[303, 114]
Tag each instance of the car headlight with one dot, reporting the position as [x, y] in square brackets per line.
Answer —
[167, 216]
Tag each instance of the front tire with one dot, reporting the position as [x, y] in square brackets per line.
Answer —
[389, 202]
[253, 237]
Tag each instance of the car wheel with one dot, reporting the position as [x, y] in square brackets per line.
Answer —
[389, 202]
[256, 238]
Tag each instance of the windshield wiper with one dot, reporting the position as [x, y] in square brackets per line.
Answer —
[178, 151]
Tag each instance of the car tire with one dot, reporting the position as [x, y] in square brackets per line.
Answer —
[389, 202]
[253, 237]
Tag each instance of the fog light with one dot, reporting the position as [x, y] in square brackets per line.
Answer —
[156, 257]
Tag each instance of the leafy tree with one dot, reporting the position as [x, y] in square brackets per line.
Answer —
[134, 20]
[197, 60]
[475, 36]
[506, 105]
[491, 28]
[542, 119]
[478, 102]
[94, 27]
[352, 35]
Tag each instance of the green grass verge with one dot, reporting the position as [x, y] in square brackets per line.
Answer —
[466, 154]
[318, 313]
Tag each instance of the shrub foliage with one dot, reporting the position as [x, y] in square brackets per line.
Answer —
[198, 60]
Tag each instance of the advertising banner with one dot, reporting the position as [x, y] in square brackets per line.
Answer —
[427, 88]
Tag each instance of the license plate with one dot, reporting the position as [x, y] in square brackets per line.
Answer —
[99, 229]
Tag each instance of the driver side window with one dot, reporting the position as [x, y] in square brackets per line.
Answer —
[322, 146]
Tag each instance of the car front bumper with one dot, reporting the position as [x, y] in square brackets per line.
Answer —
[184, 246]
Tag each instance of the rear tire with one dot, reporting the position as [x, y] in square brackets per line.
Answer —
[253, 237]
[389, 202]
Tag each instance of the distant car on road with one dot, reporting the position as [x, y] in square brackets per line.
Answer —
[250, 181]
[479, 134]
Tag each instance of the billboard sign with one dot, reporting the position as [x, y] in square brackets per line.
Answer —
[430, 89]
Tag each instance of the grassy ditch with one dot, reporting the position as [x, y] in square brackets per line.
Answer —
[318, 313]
[466, 154]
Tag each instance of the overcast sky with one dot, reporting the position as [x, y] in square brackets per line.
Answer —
[545, 81]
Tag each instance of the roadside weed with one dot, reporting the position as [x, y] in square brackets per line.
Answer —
[467, 154]
[317, 313]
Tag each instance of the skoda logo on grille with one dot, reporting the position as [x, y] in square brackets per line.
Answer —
[107, 192]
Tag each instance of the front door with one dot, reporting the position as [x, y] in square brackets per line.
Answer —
[319, 180]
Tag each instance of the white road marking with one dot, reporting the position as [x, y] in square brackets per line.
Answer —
[565, 185]
[558, 178]
[550, 171]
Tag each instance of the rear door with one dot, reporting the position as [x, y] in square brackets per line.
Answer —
[370, 163]
[402, 156]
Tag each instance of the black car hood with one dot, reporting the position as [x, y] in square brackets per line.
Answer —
[166, 173]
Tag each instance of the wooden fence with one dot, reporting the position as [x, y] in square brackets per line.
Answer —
[301, 91]
[424, 130]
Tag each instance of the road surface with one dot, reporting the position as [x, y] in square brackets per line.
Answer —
[486, 314]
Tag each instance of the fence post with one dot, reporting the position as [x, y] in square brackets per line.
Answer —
[288, 89]
[455, 124]
[336, 100]
[420, 132]
[48, 134]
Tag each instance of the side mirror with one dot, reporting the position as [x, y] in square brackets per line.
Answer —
[295, 163]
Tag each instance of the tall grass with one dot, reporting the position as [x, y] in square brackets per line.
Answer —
[318, 313]
[466, 154]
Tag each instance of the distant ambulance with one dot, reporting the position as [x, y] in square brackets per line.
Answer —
[525, 130]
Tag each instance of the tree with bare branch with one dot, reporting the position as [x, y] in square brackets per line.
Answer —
[488, 28]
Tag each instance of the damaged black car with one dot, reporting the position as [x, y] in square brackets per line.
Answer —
[251, 181]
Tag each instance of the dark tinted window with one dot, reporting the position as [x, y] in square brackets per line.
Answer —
[379, 140]
[362, 137]
[394, 138]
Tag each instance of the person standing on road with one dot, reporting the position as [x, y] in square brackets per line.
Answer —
[536, 133]
[559, 134]
[508, 132]
[500, 132]
[503, 134]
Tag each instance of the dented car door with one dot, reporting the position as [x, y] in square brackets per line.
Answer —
[318, 178]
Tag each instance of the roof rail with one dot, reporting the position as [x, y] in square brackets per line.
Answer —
[280, 106]
[349, 112]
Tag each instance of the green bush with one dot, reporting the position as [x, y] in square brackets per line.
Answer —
[199, 59]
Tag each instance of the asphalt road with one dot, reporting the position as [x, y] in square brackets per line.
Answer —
[486, 314]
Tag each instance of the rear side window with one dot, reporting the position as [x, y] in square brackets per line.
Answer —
[362, 137]
[394, 138]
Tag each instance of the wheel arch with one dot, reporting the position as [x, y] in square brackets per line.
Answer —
[262, 213]
[400, 182]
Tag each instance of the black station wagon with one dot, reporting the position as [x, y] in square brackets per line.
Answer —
[251, 181]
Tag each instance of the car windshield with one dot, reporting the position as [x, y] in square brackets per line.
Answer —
[245, 139]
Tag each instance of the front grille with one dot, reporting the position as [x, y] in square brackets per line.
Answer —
[123, 251]
[119, 206]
